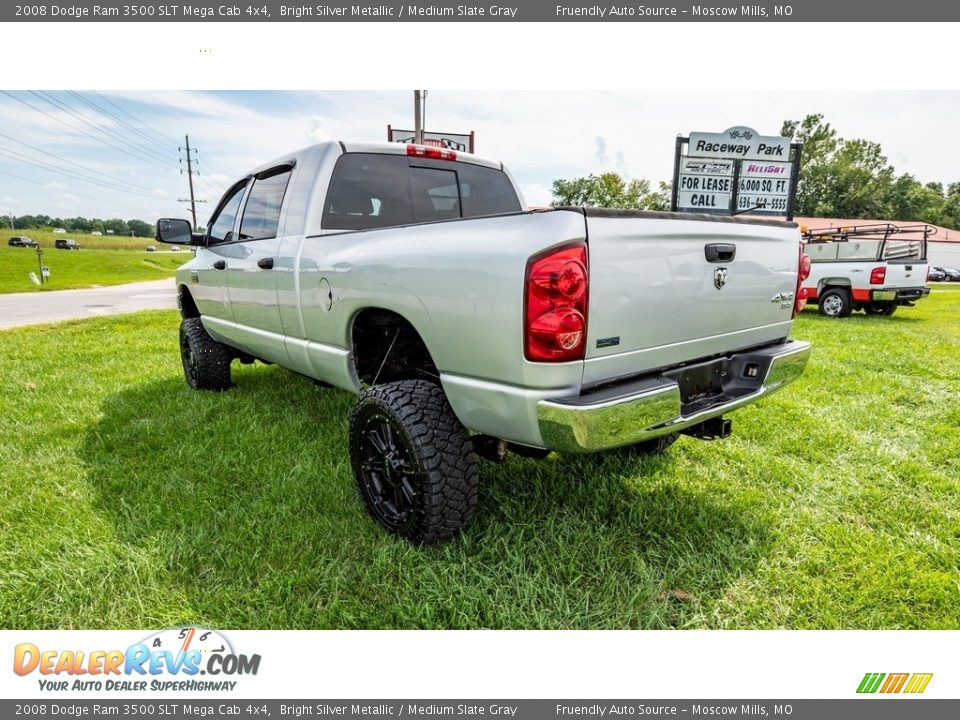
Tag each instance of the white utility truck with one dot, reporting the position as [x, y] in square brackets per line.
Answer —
[875, 268]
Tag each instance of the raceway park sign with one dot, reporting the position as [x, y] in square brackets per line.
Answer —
[738, 143]
[736, 171]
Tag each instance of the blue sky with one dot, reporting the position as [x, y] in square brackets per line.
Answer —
[115, 154]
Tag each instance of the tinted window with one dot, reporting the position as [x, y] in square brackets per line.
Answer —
[371, 191]
[485, 191]
[261, 214]
[435, 194]
[221, 229]
[368, 191]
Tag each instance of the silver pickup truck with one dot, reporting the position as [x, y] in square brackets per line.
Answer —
[414, 277]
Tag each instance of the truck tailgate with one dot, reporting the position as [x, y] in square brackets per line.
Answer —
[665, 290]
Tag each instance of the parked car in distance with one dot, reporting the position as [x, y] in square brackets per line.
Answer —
[935, 274]
[66, 244]
[949, 274]
[22, 241]
[59, 231]
[174, 248]
[96, 233]
[151, 248]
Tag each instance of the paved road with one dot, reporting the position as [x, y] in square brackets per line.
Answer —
[43, 307]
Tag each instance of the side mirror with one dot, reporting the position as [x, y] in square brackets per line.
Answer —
[175, 232]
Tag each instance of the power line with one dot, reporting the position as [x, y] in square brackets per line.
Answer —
[73, 192]
[80, 130]
[122, 182]
[214, 185]
[164, 138]
[59, 104]
[136, 145]
[121, 122]
[43, 165]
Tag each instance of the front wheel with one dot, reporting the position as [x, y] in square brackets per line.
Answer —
[206, 362]
[835, 303]
[413, 461]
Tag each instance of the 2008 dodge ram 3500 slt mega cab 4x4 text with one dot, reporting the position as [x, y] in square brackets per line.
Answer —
[414, 276]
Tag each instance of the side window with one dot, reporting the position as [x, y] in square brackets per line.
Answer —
[435, 194]
[221, 227]
[261, 215]
[368, 191]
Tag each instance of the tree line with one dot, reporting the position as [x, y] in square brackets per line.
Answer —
[116, 226]
[839, 178]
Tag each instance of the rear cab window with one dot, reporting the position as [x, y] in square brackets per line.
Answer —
[370, 191]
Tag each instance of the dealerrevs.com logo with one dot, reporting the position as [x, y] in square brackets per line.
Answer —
[891, 683]
[179, 659]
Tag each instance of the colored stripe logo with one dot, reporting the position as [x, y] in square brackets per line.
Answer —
[913, 683]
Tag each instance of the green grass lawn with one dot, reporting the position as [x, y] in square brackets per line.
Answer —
[83, 268]
[129, 501]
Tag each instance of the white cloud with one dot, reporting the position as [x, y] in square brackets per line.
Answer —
[536, 195]
[540, 136]
[318, 129]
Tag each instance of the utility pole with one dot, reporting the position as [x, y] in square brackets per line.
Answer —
[417, 118]
[193, 202]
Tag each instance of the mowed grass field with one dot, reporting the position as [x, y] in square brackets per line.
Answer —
[128, 500]
[100, 261]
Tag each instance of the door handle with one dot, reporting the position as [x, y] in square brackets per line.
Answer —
[720, 252]
[220, 265]
[265, 263]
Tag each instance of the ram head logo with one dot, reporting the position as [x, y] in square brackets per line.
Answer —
[719, 277]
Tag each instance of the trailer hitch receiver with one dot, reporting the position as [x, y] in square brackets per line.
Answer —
[713, 429]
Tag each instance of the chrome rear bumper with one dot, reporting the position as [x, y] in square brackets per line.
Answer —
[653, 406]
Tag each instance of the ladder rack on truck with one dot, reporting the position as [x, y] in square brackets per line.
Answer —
[875, 267]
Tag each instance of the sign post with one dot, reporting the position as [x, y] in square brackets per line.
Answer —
[736, 171]
[40, 264]
[452, 141]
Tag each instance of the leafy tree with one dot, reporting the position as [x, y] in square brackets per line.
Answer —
[820, 144]
[140, 228]
[609, 190]
[854, 179]
[118, 226]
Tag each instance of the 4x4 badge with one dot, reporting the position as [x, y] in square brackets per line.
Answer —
[720, 277]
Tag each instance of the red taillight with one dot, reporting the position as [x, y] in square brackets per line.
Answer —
[434, 153]
[555, 327]
[878, 275]
[803, 272]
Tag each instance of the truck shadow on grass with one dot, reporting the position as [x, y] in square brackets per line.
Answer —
[898, 317]
[249, 499]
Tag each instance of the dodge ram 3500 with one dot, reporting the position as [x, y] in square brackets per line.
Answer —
[415, 277]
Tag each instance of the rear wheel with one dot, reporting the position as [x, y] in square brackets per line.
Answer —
[206, 362]
[881, 308]
[651, 447]
[413, 461]
[835, 303]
